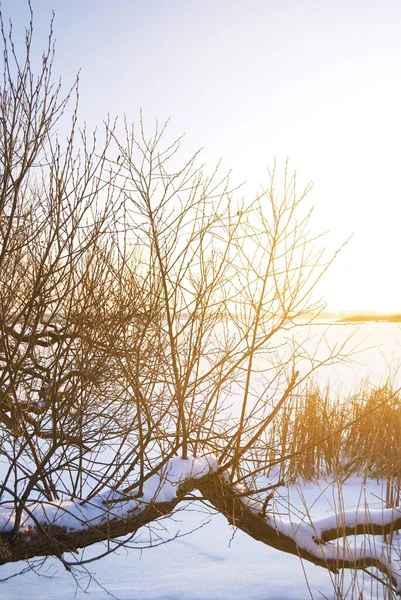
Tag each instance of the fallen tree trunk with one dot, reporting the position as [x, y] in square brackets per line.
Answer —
[52, 540]
[310, 541]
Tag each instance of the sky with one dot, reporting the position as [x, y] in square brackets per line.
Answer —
[314, 81]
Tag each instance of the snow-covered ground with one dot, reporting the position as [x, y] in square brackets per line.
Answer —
[214, 562]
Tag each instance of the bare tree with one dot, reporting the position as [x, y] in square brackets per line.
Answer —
[144, 314]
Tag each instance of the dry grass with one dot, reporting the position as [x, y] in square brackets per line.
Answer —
[335, 438]
[321, 436]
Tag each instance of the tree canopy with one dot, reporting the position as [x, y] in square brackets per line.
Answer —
[146, 312]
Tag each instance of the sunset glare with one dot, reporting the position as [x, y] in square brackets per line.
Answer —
[312, 80]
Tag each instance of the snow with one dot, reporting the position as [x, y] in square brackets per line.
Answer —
[203, 566]
[73, 515]
[163, 487]
[214, 562]
[352, 518]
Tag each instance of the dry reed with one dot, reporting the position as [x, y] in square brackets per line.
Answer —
[317, 435]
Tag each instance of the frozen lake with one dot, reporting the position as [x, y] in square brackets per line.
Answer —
[374, 352]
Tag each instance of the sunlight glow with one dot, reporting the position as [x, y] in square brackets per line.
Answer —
[315, 82]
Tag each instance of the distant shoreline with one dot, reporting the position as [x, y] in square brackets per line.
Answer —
[374, 318]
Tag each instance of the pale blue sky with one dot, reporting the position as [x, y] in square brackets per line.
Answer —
[315, 80]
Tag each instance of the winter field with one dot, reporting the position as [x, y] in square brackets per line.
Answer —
[216, 562]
